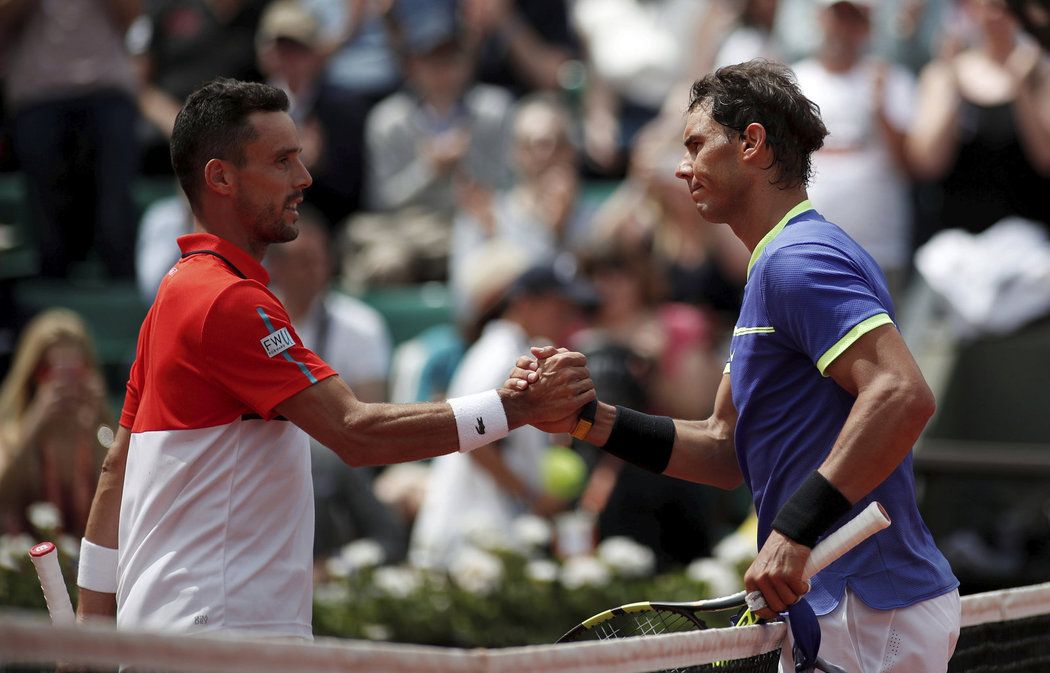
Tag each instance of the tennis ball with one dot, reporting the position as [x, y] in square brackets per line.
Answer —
[563, 472]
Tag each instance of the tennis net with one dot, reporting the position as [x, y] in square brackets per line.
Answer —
[1003, 631]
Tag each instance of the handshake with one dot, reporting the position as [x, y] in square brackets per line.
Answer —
[547, 390]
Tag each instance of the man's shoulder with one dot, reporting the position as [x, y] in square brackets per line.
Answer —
[807, 240]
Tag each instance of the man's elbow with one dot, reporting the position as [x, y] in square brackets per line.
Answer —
[919, 405]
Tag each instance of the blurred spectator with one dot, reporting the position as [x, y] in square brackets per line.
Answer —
[442, 134]
[440, 129]
[54, 423]
[70, 88]
[751, 35]
[636, 52]
[982, 129]
[861, 174]
[156, 250]
[181, 45]
[704, 264]
[330, 119]
[542, 214]
[353, 339]
[350, 335]
[678, 520]
[471, 494]
[675, 339]
[362, 58]
[524, 46]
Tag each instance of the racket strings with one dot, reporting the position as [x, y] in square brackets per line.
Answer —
[648, 623]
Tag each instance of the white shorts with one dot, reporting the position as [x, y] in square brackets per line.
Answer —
[917, 639]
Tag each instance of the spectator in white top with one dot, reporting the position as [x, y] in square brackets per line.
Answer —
[861, 174]
[470, 495]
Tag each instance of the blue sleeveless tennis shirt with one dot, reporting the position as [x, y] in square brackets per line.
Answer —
[811, 293]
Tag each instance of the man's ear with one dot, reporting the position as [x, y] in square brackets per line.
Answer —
[219, 177]
[753, 141]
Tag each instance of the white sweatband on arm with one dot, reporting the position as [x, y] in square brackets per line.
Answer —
[97, 569]
[480, 419]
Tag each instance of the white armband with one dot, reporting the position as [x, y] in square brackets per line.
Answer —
[480, 419]
[97, 569]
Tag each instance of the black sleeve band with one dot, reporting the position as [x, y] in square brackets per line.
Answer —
[814, 507]
[642, 439]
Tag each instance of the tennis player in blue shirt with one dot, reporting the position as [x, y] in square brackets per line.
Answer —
[821, 400]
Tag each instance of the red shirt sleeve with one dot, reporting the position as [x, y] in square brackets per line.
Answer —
[251, 349]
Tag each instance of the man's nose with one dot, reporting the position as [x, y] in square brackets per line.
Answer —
[304, 178]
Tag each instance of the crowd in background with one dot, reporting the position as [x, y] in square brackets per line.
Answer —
[521, 153]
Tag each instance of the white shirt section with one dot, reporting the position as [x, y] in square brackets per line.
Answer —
[856, 183]
[462, 499]
[357, 344]
[203, 546]
[638, 46]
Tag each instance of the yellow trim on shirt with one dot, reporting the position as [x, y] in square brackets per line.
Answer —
[851, 338]
[797, 210]
[737, 331]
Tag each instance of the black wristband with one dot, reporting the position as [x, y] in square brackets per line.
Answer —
[642, 439]
[814, 507]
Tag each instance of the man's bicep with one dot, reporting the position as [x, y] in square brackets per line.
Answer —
[880, 352]
[321, 410]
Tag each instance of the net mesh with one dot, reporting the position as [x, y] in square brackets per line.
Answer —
[1005, 631]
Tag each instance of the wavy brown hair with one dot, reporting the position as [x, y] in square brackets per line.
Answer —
[765, 93]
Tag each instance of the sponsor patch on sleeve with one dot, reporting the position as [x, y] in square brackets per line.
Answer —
[277, 342]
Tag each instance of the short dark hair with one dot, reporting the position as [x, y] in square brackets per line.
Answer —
[213, 124]
[766, 93]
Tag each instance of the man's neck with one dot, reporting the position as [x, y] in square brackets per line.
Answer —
[225, 226]
[765, 213]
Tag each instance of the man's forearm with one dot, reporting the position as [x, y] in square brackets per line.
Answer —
[104, 521]
[702, 451]
[881, 429]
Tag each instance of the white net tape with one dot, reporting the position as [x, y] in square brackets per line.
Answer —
[34, 640]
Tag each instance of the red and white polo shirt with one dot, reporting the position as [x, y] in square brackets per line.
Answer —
[216, 523]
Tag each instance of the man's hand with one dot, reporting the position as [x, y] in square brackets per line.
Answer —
[777, 574]
[549, 392]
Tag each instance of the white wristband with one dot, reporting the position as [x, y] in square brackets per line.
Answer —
[97, 568]
[480, 419]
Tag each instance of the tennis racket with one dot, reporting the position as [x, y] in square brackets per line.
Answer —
[45, 560]
[652, 617]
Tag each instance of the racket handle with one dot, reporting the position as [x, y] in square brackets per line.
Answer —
[871, 520]
[45, 559]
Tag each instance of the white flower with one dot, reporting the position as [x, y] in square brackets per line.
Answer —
[376, 631]
[484, 533]
[736, 548]
[334, 593]
[398, 582]
[532, 532]
[44, 516]
[476, 571]
[626, 557]
[541, 570]
[337, 566]
[580, 571]
[722, 579]
[363, 553]
[69, 545]
[14, 550]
